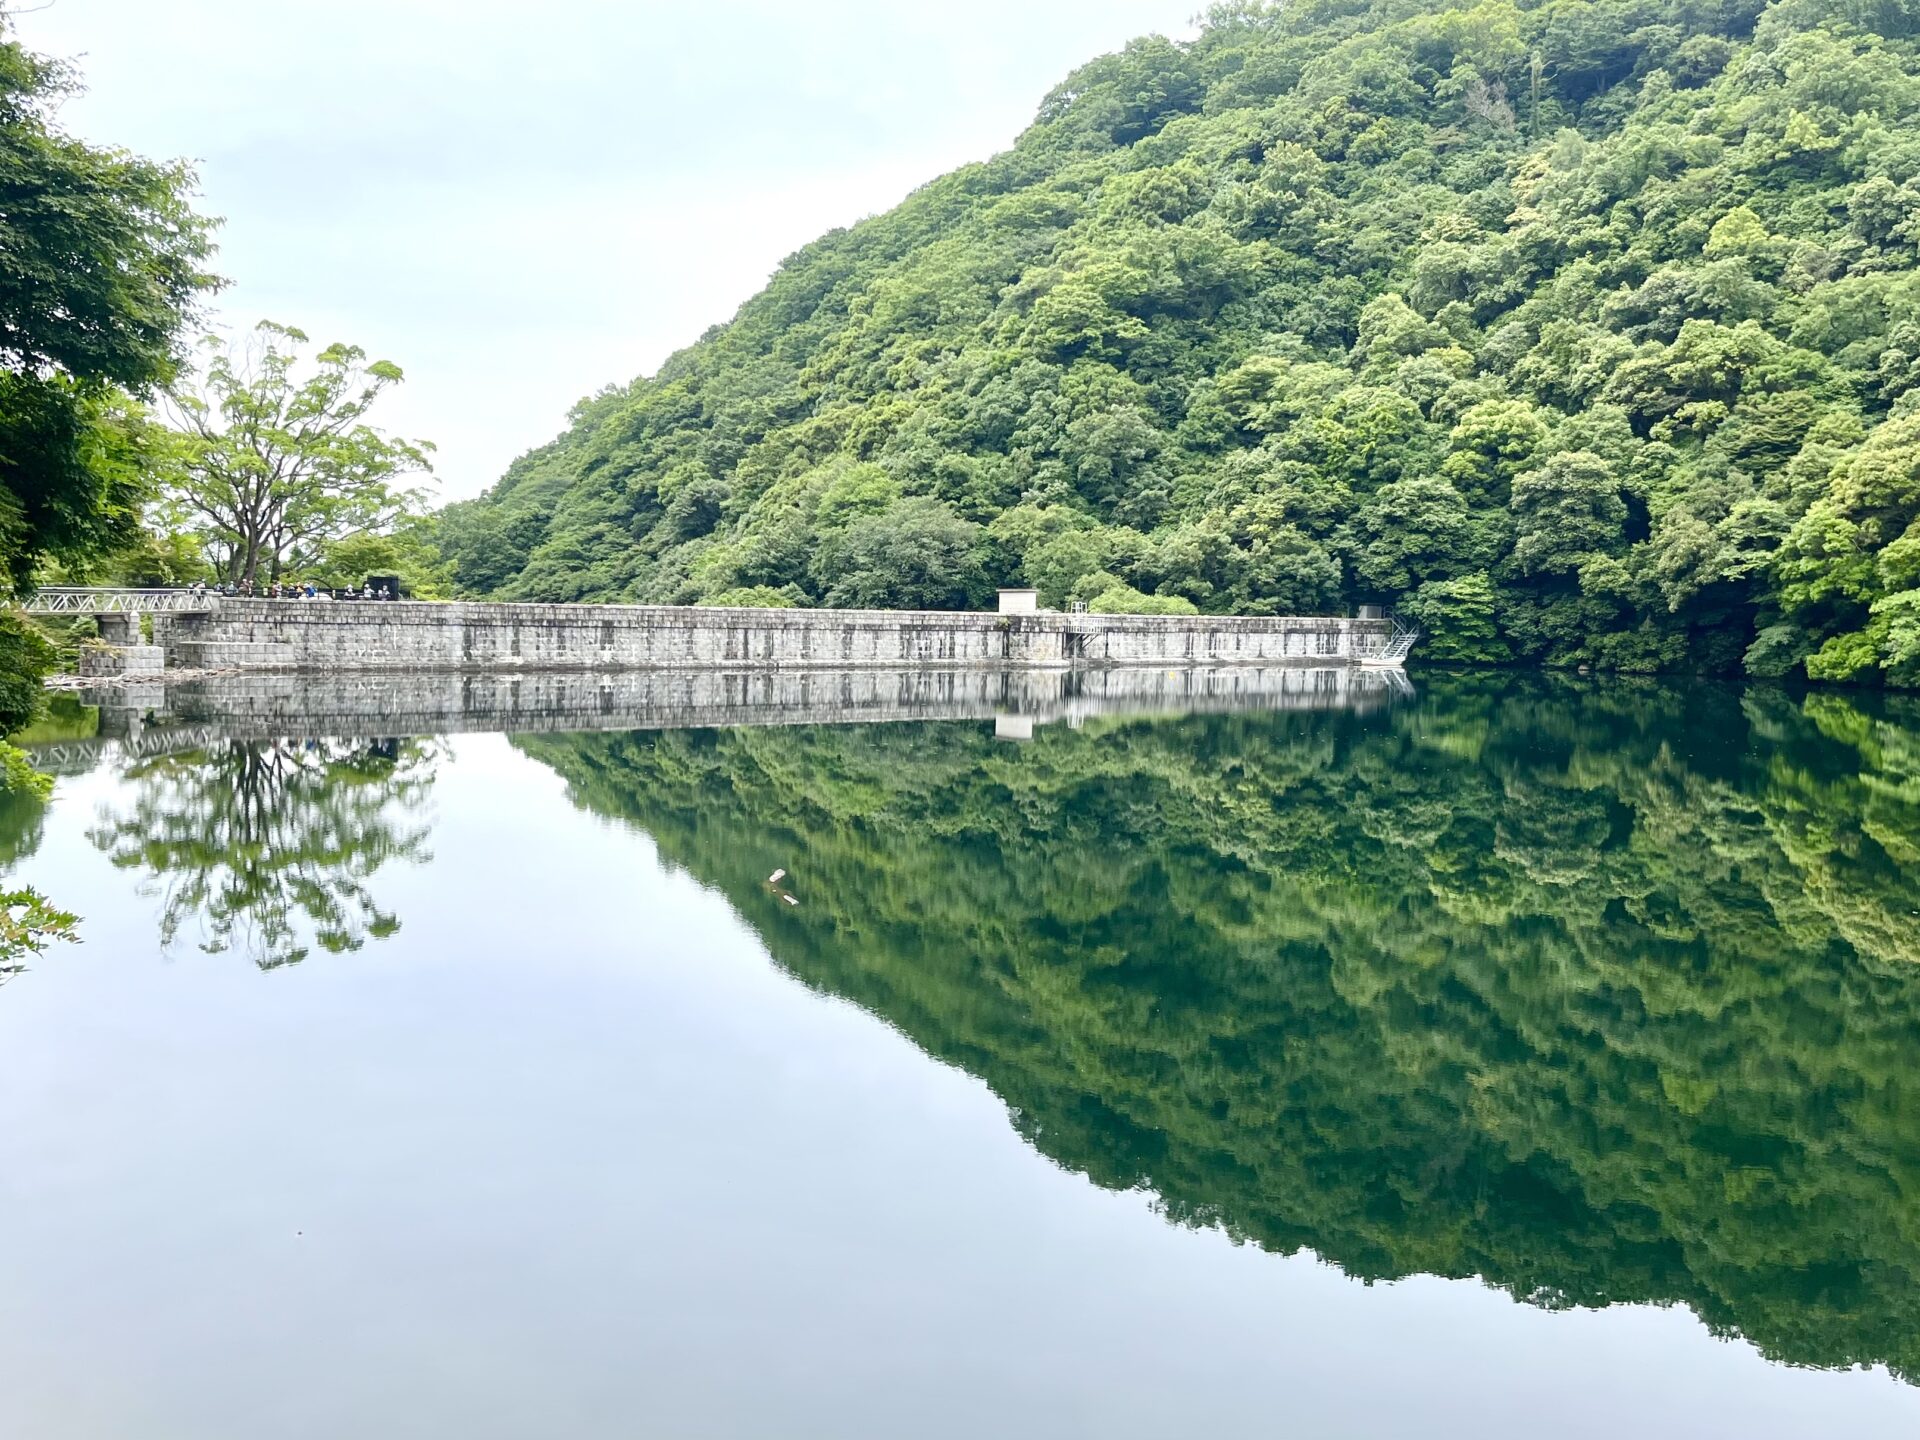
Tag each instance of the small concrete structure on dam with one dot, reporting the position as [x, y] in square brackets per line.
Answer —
[224, 633]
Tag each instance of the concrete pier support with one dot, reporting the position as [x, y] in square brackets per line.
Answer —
[118, 629]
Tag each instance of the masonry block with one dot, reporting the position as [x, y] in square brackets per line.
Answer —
[109, 661]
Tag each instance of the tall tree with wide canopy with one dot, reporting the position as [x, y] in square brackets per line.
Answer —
[277, 459]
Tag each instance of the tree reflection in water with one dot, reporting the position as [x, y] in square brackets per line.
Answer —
[268, 846]
[1601, 993]
[23, 817]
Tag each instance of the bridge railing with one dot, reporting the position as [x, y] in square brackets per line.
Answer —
[108, 600]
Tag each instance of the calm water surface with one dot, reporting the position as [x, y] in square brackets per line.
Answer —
[1517, 1058]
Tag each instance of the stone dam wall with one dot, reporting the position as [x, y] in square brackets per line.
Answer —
[474, 636]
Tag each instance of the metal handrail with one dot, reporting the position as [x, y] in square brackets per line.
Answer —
[1389, 649]
[1400, 643]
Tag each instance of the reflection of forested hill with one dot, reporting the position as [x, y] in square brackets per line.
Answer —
[1602, 994]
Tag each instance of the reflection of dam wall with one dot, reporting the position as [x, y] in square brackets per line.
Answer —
[152, 719]
[433, 703]
[473, 636]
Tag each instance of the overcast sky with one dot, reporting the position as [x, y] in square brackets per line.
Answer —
[519, 203]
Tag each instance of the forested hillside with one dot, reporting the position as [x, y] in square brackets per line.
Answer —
[1585, 331]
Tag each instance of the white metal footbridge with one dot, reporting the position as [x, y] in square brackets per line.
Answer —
[107, 600]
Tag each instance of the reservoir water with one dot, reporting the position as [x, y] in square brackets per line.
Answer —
[1496, 1056]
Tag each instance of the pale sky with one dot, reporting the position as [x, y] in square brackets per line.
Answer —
[520, 203]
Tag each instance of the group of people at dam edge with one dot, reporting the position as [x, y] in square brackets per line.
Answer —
[246, 590]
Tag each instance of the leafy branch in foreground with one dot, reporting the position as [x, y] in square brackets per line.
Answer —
[28, 924]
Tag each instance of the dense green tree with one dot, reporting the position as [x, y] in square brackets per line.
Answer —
[1413, 531]
[916, 555]
[1120, 598]
[1458, 620]
[101, 262]
[406, 550]
[754, 597]
[25, 657]
[1057, 565]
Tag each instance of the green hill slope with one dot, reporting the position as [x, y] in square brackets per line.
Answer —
[1584, 331]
